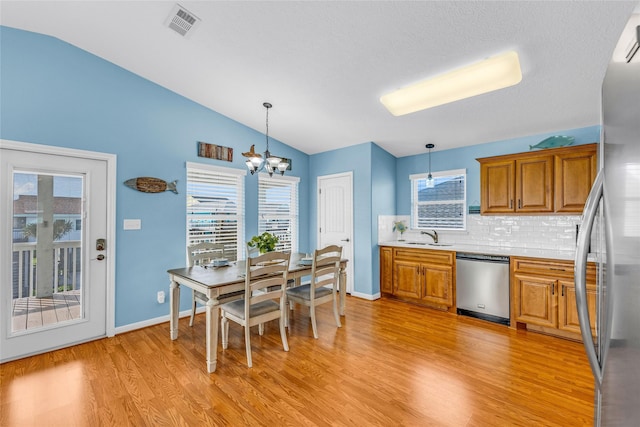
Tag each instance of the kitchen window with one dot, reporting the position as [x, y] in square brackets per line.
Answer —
[442, 205]
[278, 209]
[215, 207]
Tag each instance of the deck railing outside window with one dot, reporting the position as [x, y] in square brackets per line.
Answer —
[67, 273]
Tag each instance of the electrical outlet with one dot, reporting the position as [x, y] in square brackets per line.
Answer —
[161, 297]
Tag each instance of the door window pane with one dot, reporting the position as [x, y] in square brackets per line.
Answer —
[46, 250]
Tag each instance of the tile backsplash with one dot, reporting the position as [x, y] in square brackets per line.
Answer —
[557, 232]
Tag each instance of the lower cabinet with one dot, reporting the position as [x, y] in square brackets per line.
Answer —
[543, 296]
[386, 269]
[418, 275]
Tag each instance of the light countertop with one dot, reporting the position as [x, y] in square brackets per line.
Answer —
[490, 250]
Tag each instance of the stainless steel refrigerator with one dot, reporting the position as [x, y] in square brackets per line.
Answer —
[610, 236]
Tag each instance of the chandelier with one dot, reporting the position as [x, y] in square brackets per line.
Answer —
[271, 163]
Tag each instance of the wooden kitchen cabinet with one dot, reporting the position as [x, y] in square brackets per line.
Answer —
[422, 276]
[574, 174]
[535, 299]
[386, 270]
[543, 296]
[407, 279]
[497, 184]
[534, 181]
[555, 180]
[567, 310]
[437, 284]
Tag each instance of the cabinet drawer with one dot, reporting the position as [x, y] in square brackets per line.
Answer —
[543, 266]
[424, 255]
[549, 267]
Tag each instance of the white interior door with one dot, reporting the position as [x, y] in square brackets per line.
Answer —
[55, 250]
[335, 216]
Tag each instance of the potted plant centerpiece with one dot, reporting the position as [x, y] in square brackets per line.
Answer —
[265, 242]
[400, 227]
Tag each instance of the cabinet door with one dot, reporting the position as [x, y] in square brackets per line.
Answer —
[437, 284]
[574, 175]
[567, 309]
[534, 180]
[496, 186]
[386, 270]
[406, 279]
[535, 300]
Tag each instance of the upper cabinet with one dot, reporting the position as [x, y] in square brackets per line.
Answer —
[555, 180]
[575, 172]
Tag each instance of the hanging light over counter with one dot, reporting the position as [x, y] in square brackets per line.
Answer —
[430, 181]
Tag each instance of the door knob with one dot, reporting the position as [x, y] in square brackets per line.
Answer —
[345, 240]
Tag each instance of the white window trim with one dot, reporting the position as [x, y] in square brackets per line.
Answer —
[213, 168]
[417, 176]
[228, 171]
[296, 225]
[295, 179]
[440, 173]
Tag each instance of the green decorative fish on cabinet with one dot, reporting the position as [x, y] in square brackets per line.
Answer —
[553, 142]
[148, 184]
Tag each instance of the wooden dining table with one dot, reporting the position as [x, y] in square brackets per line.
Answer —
[216, 282]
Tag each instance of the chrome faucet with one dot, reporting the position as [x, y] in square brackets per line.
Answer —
[434, 236]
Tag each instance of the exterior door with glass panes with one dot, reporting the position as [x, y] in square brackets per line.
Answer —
[54, 251]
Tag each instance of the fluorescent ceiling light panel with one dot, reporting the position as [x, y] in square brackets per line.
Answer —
[493, 73]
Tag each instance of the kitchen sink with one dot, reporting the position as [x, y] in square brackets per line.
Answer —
[429, 244]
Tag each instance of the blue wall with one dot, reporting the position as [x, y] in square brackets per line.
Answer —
[383, 202]
[465, 158]
[355, 159]
[55, 94]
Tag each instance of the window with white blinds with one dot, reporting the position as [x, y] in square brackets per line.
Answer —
[215, 207]
[441, 206]
[278, 210]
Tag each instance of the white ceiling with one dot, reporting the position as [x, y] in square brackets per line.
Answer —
[324, 64]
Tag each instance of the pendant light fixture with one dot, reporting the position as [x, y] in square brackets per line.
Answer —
[271, 163]
[430, 181]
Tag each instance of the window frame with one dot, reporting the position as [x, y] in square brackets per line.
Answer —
[229, 178]
[414, 178]
[293, 216]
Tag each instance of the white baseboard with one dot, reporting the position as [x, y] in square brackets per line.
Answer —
[201, 309]
[366, 296]
[155, 321]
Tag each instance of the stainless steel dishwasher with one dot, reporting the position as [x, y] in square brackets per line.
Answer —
[482, 286]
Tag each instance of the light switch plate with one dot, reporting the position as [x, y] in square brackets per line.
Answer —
[132, 224]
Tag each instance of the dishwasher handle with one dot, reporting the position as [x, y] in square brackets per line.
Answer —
[501, 259]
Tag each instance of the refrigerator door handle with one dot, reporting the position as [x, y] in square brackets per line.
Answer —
[580, 272]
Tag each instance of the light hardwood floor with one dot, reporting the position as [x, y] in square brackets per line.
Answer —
[390, 364]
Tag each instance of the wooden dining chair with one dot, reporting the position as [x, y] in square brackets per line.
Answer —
[325, 271]
[264, 298]
[202, 254]
[252, 251]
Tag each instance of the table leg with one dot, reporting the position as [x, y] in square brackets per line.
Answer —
[343, 289]
[174, 308]
[213, 317]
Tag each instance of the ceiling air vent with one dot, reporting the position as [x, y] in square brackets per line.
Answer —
[182, 21]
